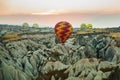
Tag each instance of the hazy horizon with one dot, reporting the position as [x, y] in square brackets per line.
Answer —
[100, 13]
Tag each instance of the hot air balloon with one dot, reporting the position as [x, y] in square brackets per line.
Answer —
[63, 30]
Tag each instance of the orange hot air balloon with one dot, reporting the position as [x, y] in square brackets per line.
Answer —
[63, 30]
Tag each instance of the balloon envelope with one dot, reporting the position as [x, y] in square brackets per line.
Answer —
[63, 30]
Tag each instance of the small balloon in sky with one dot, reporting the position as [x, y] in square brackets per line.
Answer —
[63, 30]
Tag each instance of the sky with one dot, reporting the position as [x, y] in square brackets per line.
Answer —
[100, 13]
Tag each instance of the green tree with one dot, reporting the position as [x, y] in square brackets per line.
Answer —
[25, 25]
[89, 26]
[83, 26]
[35, 25]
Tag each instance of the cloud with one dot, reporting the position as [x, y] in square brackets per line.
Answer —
[51, 12]
[79, 6]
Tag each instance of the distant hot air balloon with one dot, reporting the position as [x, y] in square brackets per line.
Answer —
[63, 30]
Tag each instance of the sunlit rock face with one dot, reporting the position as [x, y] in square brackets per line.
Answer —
[37, 57]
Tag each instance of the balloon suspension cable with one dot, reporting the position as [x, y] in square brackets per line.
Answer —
[63, 44]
